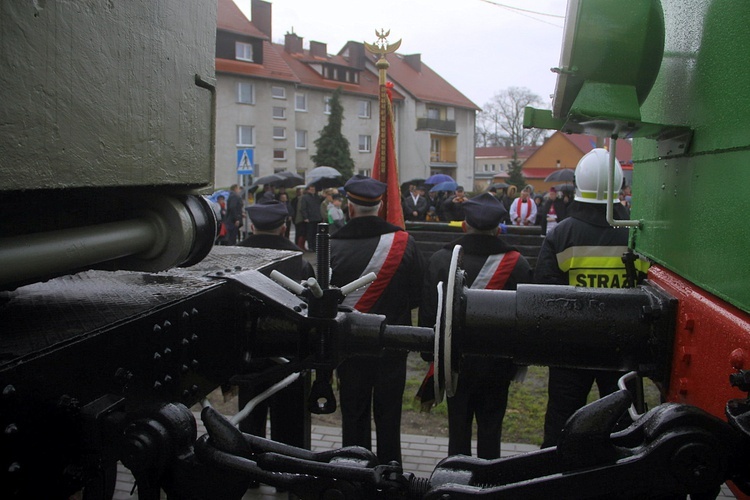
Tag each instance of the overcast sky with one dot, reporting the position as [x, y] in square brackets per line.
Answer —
[478, 46]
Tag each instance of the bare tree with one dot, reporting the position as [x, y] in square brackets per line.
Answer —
[500, 123]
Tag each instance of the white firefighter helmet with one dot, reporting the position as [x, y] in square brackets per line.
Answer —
[591, 177]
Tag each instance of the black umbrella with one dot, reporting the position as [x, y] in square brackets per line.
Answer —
[562, 175]
[324, 177]
[289, 179]
[567, 186]
[416, 182]
[499, 185]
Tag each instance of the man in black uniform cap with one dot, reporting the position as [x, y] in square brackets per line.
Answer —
[370, 244]
[483, 382]
[288, 406]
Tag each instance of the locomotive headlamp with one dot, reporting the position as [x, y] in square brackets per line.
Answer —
[610, 59]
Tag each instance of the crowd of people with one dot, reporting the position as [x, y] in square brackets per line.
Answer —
[371, 386]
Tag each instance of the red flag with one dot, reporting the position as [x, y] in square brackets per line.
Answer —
[386, 167]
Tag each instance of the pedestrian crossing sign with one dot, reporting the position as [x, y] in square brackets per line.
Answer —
[245, 161]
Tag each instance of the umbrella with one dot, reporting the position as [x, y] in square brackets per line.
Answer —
[444, 186]
[266, 179]
[499, 185]
[288, 179]
[563, 175]
[215, 197]
[438, 178]
[567, 186]
[416, 182]
[323, 177]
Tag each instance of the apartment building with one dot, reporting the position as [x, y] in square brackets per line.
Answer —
[272, 101]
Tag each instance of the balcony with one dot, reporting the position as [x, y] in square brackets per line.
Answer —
[442, 157]
[436, 125]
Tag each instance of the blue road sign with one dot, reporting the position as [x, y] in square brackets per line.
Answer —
[245, 162]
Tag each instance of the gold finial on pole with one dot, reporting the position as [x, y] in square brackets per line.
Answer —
[382, 47]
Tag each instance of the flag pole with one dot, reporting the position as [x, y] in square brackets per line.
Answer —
[385, 167]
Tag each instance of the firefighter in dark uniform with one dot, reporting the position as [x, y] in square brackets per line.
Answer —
[483, 382]
[583, 250]
[288, 406]
[367, 244]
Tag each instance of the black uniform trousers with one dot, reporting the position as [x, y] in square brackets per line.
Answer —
[568, 390]
[481, 393]
[377, 383]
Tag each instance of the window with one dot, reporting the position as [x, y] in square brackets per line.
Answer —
[365, 143]
[279, 154]
[245, 93]
[279, 112]
[433, 113]
[367, 172]
[300, 102]
[364, 109]
[278, 92]
[245, 135]
[301, 139]
[243, 51]
[279, 133]
[327, 101]
[435, 150]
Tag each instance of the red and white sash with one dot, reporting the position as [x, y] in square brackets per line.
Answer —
[384, 263]
[496, 271]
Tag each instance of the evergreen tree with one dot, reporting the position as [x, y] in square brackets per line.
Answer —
[332, 148]
[516, 178]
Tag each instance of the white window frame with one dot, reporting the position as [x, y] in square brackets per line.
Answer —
[282, 115]
[327, 105]
[432, 111]
[278, 92]
[367, 172]
[242, 132]
[241, 99]
[367, 111]
[367, 146]
[243, 51]
[300, 106]
[300, 139]
[279, 132]
[283, 154]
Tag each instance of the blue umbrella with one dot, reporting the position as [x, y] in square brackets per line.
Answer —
[214, 197]
[438, 178]
[444, 186]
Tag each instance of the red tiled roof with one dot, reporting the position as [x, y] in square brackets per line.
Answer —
[231, 18]
[278, 64]
[368, 82]
[425, 85]
[588, 142]
[273, 67]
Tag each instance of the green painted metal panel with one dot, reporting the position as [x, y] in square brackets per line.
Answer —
[106, 94]
[695, 207]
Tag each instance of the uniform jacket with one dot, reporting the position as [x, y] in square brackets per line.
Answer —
[477, 248]
[353, 246]
[584, 250]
